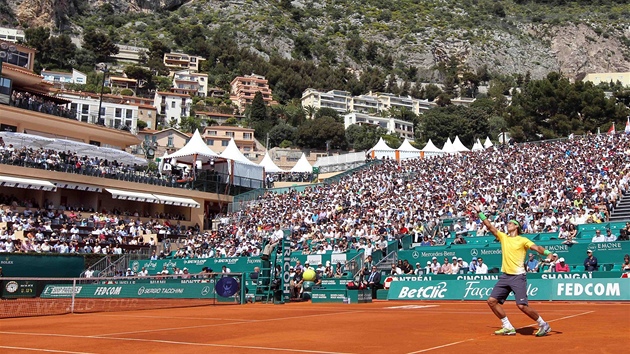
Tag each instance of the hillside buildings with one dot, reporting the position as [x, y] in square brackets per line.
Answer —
[597, 78]
[181, 61]
[244, 88]
[393, 125]
[11, 35]
[60, 79]
[193, 83]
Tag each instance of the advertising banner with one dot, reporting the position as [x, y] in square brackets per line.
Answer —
[182, 289]
[595, 289]
[12, 289]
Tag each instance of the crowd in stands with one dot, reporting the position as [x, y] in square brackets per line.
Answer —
[547, 187]
[59, 229]
[32, 102]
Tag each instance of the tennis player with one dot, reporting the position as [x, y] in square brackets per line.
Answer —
[514, 277]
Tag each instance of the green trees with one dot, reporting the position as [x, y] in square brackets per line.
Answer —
[317, 132]
[100, 44]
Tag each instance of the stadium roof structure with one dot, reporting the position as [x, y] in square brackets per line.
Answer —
[302, 165]
[269, 165]
[448, 147]
[430, 147]
[407, 151]
[381, 149]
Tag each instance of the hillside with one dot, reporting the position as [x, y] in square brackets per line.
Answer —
[508, 37]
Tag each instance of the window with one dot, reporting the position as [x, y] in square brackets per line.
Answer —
[225, 142]
[230, 134]
[247, 136]
[146, 138]
[209, 141]
[118, 113]
[172, 104]
[212, 132]
[129, 114]
[170, 141]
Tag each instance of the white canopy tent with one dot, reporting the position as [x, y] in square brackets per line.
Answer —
[195, 150]
[458, 146]
[448, 147]
[431, 150]
[302, 165]
[232, 152]
[487, 143]
[477, 146]
[268, 164]
[246, 173]
[408, 151]
[381, 150]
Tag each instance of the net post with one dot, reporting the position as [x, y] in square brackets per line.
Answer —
[242, 290]
[74, 291]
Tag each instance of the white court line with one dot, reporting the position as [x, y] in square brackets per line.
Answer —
[223, 324]
[471, 339]
[558, 319]
[172, 342]
[175, 317]
[41, 350]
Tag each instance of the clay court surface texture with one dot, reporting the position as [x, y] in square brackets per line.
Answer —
[389, 327]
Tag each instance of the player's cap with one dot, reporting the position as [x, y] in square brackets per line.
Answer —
[589, 251]
[555, 254]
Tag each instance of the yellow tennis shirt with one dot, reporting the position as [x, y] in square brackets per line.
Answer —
[514, 250]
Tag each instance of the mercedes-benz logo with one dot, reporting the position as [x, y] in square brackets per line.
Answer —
[205, 291]
[415, 254]
[474, 252]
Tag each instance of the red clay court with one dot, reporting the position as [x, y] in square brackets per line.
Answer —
[390, 327]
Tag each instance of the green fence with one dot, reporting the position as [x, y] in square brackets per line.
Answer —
[595, 289]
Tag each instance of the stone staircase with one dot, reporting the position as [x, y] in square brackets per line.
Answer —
[621, 212]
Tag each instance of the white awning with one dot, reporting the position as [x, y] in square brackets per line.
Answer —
[137, 196]
[27, 183]
[78, 187]
[170, 200]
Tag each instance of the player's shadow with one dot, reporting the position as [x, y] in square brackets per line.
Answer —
[529, 331]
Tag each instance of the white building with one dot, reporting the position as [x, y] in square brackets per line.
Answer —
[338, 100]
[343, 102]
[172, 105]
[129, 53]
[192, 82]
[59, 79]
[12, 35]
[181, 61]
[393, 125]
[115, 112]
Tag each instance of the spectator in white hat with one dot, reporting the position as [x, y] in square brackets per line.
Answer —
[561, 266]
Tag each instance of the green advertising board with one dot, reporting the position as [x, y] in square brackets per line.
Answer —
[43, 266]
[495, 276]
[137, 289]
[606, 252]
[595, 289]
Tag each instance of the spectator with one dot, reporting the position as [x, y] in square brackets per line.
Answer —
[561, 266]
[625, 266]
[406, 267]
[295, 284]
[428, 269]
[129, 273]
[462, 263]
[454, 266]
[374, 281]
[598, 237]
[590, 263]
[396, 270]
[418, 269]
[609, 236]
[143, 272]
[481, 267]
[472, 266]
[89, 273]
[435, 266]
[531, 266]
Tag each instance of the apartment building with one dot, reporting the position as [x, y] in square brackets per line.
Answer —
[338, 100]
[393, 125]
[343, 102]
[181, 61]
[118, 83]
[597, 78]
[172, 106]
[11, 35]
[218, 137]
[115, 113]
[193, 83]
[60, 79]
[244, 88]
[129, 53]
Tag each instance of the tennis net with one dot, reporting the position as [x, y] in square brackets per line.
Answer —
[22, 297]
